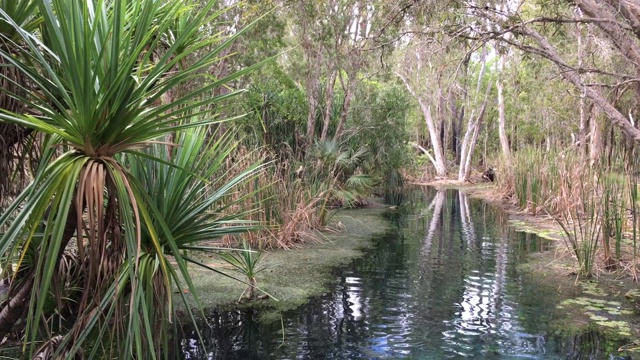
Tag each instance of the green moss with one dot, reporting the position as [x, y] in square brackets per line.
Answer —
[294, 276]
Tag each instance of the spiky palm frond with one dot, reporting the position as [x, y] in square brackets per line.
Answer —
[98, 87]
[15, 140]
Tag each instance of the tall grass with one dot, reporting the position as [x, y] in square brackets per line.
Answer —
[533, 181]
[287, 208]
[597, 208]
[614, 204]
[581, 221]
[633, 197]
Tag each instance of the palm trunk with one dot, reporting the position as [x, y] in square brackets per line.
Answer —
[18, 300]
[14, 307]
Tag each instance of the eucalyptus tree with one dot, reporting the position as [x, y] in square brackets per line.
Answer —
[612, 23]
[334, 38]
[419, 73]
[440, 72]
[99, 69]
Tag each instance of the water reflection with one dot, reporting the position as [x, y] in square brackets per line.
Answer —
[442, 285]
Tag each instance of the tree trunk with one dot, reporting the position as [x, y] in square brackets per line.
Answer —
[502, 133]
[312, 101]
[469, 144]
[473, 129]
[15, 305]
[584, 120]
[329, 93]
[349, 89]
[595, 149]
[439, 164]
[438, 155]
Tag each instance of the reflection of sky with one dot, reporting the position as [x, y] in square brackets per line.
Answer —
[440, 292]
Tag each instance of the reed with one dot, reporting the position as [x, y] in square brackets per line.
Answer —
[529, 177]
[633, 194]
[581, 221]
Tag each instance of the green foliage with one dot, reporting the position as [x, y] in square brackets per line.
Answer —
[380, 125]
[247, 262]
[276, 115]
[23, 13]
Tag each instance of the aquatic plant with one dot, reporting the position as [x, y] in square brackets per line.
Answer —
[581, 222]
[247, 262]
[613, 204]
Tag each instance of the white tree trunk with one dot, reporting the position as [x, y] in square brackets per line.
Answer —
[473, 129]
[469, 144]
[438, 154]
[502, 133]
[595, 148]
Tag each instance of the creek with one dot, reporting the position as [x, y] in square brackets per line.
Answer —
[442, 283]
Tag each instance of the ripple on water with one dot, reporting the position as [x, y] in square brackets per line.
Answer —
[442, 286]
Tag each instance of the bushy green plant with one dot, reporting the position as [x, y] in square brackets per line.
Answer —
[245, 261]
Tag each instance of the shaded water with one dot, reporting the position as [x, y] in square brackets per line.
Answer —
[442, 284]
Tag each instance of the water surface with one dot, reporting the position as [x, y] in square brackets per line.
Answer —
[443, 283]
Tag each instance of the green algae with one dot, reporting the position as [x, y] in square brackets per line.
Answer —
[607, 315]
[591, 287]
[522, 226]
[293, 276]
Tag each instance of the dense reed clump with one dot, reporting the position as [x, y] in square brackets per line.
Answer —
[596, 208]
[533, 179]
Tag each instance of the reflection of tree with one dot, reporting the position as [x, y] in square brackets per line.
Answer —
[441, 280]
[436, 221]
[468, 230]
[487, 312]
[226, 334]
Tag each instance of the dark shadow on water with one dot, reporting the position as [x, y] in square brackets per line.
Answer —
[442, 284]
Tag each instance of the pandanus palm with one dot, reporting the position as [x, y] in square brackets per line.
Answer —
[14, 139]
[100, 74]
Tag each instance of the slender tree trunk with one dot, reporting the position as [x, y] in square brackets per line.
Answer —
[438, 155]
[312, 101]
[469, 144]
[595, 149]
[349, 89]
[329, 94]
[313, 59]
[584, 120]
[439, 164]
[502, 133]
[473, 129]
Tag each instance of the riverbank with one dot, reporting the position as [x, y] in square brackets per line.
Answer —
[607, 303]
[294, 276]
